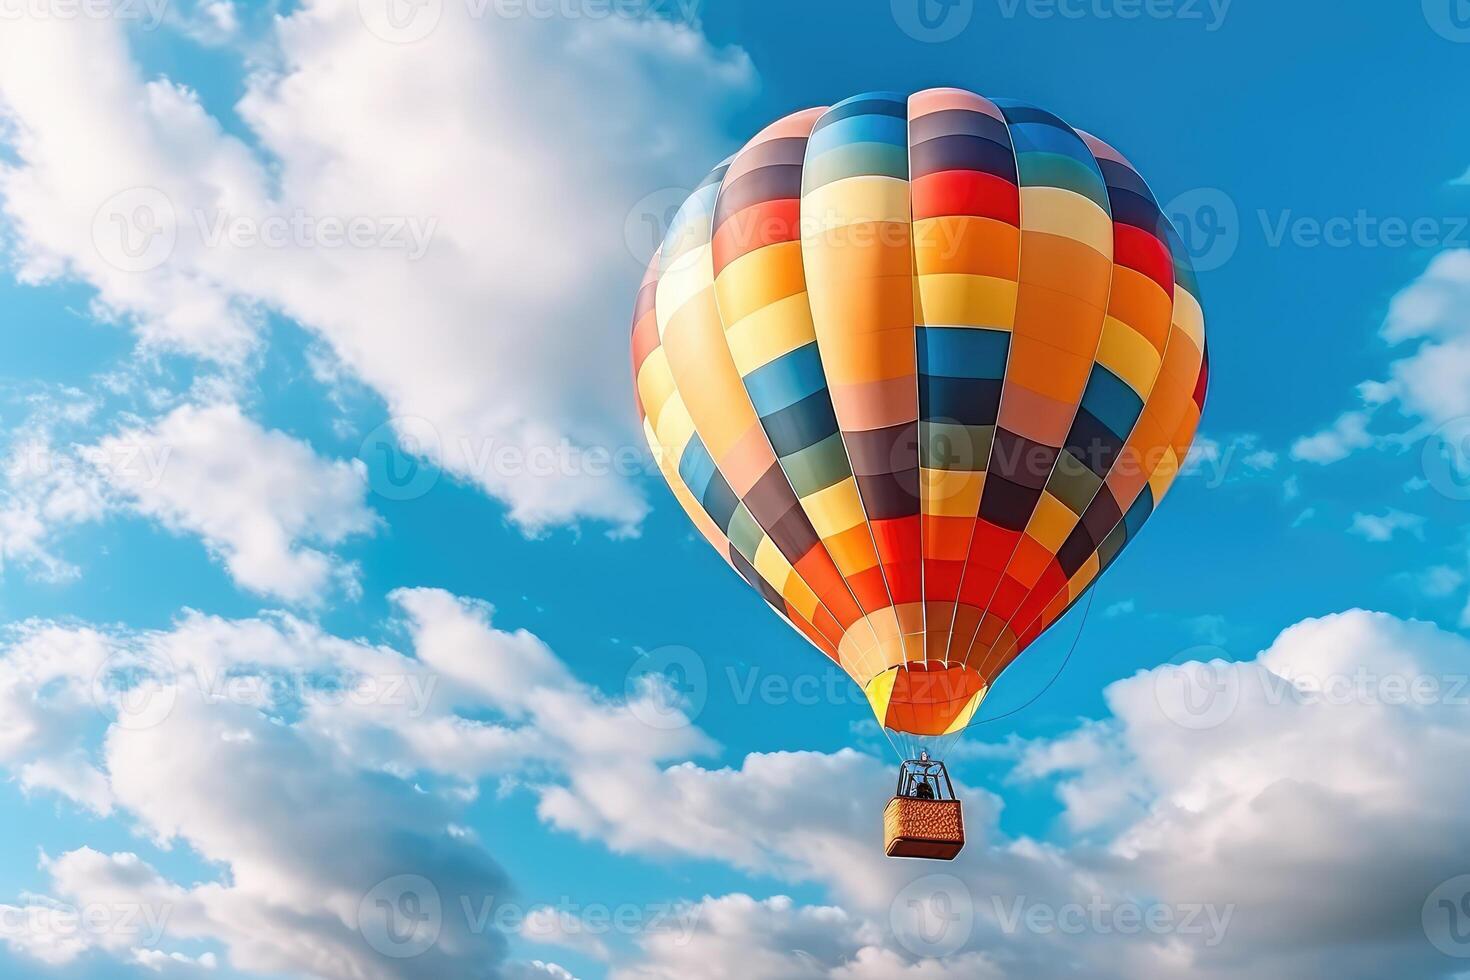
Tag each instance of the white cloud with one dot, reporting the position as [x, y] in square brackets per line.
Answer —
[255, 496]
[558, 927]
[537, 970]
[1432, 381]
[1347, 434]
[1304, 826]
[738, 937]
[1383, 527]
[508, 335]
[1311, 797]
[1239, 457]
[1440, 581]
[46, 489]
[742, 938]
[142, 135]
[1245, 813]
[323, 842]
[48, 706]
[1262, 459]
[311, 769]
[159, 961]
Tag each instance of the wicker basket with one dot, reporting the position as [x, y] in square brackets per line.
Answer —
[915, 828]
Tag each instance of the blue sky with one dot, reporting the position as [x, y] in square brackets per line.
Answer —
[464, 680]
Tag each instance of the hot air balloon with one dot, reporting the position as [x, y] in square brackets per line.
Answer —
[919, 368]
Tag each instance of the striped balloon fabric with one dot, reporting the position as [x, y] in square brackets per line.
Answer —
[919, 368]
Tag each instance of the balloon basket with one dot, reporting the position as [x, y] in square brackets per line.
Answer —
[923, 820]
[933, 829]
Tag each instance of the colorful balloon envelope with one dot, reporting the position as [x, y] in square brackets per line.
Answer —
[920, 368]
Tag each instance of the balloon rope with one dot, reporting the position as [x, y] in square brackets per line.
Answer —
[1087, 609]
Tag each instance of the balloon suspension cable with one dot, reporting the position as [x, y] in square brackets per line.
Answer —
[891, 743]
[1091, 594]
[943, 743]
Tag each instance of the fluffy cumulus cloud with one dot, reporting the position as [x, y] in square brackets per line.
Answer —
[1287, 815]
[253, 495]
[1305, 789]
[1430, 379]
[1383, 527]
[262, 501]
[467, 257]
[324, 776]
[44, 488]
[1345, 436]
[1433, 381]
